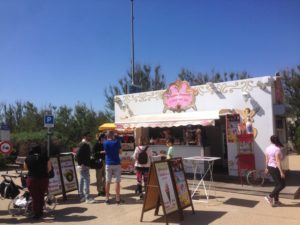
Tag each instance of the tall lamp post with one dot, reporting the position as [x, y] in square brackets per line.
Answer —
[132, 45]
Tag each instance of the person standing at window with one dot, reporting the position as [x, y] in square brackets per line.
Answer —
[170, 143]
[112, 148]
[142, 165]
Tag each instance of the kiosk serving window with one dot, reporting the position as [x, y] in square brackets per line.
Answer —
[183, 135]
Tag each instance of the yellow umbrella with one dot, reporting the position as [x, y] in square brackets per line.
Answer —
[107, 126]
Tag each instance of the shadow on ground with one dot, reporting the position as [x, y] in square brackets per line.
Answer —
[199, 218]
[129, 198]
[60, 215]
[241, 202]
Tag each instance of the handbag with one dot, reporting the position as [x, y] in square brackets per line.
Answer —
[96, 163]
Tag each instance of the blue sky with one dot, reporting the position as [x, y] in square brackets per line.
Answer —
[68, 51]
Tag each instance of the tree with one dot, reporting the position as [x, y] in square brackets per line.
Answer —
[190, 77]
[85, 120]
[31, 119]
[64, 122]
[215, 77]
[9, 116]
[159, 80]
[291, 86]
[26, 124]
[18, 114]
[142, 77]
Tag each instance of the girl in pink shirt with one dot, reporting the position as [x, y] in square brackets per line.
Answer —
[273, 167]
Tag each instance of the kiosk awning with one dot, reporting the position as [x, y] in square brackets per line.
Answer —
[204, 118]
[107, 126]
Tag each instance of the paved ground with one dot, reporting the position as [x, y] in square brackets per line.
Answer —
[224, 208]
[233, 184]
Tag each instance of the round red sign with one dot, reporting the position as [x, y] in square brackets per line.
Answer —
[5, 147]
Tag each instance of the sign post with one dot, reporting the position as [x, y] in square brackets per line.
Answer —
[49, 123]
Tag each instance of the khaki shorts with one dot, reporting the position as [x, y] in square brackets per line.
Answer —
[113, 170]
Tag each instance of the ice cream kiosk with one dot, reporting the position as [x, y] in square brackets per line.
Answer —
[222, 120]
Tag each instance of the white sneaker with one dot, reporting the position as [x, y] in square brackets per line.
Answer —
[90, 201]
[82, 199]
[269, 200]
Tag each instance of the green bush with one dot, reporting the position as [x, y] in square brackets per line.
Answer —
[37, 137]
[297, 142]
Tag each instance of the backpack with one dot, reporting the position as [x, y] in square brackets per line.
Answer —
[143, 156]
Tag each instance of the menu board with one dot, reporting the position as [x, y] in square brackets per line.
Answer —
[152, 194]
[127, 146]
[68, 172]
[166, 187]
[232, 127]
[180, 182]
[55, 185]
[127, 162]
[164, 176]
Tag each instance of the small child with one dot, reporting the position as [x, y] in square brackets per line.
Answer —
[170, 143]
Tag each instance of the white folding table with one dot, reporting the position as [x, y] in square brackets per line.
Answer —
[196, 161]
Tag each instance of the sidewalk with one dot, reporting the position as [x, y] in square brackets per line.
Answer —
[223, 208]
[226, 184]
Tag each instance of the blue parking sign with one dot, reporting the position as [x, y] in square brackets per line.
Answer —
[49, 121]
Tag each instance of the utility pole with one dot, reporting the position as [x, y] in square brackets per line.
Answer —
[132, 45]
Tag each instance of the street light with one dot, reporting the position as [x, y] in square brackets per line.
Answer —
[132, 44]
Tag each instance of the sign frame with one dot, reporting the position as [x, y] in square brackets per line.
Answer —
[60, 174]
[160, 174]
[67, 168]
[55, 185]
[180, 181]
[232, 127]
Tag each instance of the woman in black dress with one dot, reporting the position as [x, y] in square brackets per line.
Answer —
[38, 166]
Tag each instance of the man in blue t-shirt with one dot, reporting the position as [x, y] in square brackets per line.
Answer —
[112, 148]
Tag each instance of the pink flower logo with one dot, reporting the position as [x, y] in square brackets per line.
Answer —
[179, 97]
